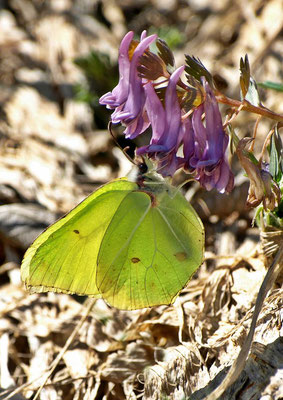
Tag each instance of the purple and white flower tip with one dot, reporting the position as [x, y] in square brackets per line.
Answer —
[128, 97]
[209, 160]
[119, 94]
[166, 123]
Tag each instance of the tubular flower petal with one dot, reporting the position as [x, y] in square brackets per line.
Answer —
[209, 161]
[167, 127]
[119, 94]
[128, 97]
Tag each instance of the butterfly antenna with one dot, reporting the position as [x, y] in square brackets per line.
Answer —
[118, 145]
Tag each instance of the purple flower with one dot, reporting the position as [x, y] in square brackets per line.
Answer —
[209, 160]
[119, 94]
[137, 104]
[168, 129]
[128, 97]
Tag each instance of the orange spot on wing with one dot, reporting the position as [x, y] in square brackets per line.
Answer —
[181, 256]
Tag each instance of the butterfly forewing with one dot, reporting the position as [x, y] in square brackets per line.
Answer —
[64, 257]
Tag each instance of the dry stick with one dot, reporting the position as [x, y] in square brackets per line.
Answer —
[18, 390]
[67, 344]
[59, 356]
[239, 363]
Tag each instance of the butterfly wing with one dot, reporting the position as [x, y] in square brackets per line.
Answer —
[64, 257]
[150, 250]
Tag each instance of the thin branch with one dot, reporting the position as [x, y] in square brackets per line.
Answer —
[246, 106]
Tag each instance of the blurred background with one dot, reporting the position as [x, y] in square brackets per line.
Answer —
[57, 58]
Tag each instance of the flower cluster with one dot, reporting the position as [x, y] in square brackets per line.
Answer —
[185, 120]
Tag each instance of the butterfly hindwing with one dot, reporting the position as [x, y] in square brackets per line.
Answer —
[150, 250]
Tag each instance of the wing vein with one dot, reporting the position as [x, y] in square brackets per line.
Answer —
[165, 291]
[179, 212]
[174, 233]
[122, 249]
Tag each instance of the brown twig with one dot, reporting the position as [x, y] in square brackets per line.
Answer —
[246, 106]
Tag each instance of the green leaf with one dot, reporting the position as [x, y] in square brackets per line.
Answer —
[94, 64]
[83, 94]
[248, 85]
[252, 96]
[276, 156]
[271, 85]
[170, 34]
[234, 139]
[101, 74]
[244, 75]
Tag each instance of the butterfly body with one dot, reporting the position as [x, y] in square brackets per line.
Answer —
[135, 244]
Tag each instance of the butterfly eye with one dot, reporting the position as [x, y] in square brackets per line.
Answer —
[143, 168]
